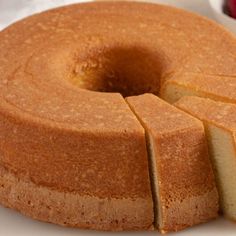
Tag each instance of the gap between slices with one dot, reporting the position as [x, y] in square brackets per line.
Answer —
[219, 120]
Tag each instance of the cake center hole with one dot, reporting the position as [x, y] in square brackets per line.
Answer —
[128, 71]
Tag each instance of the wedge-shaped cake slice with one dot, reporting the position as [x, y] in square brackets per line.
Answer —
[218, 87]
[182, 177]
[220, 124]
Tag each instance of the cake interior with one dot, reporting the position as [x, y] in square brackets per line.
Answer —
[173, 92]
[222, 151]
[154, 181]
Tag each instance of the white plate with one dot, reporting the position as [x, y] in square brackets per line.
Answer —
[12, 10]
[15, 224]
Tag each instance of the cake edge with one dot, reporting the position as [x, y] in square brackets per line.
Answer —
[73, 210]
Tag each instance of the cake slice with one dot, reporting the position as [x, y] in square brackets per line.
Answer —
[182, 178]
[218, 87]
[220, 124]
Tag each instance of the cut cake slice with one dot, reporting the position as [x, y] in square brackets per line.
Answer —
[183, 182]
[220, 88]
[220, 124]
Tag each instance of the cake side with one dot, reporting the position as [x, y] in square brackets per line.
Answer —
[66, 159]
[188, 192]
[184, 185]
[72, 209]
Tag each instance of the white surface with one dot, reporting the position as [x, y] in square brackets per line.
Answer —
[12, 10]
[14, 224]
[224, 19]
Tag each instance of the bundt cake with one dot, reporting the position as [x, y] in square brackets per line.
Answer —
[219, 120]
[72, 152]
[185, 190]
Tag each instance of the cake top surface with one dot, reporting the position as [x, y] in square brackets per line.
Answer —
[66, 59]
[161, 117]
[218, 113]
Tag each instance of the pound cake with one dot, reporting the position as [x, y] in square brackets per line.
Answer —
[219, 120]
[183, 179]
[72, 152]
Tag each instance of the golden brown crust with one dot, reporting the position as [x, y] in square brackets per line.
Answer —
[72, 209]
[205, 210]
[88, 157]
[71, 160]
[187, 190]
[218, 113]
[71, 139]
